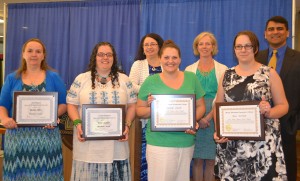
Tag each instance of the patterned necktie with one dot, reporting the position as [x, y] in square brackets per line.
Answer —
[273, 60]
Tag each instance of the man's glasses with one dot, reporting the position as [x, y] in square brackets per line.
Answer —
[240, 47]
[150, 45]
[100, 54]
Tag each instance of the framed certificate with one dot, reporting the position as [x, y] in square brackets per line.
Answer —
[103, 121]
[173, 112]
[35, 108]
[240, 121]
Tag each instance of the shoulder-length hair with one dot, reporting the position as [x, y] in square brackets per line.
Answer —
[23, 66]
[140, 55]
[213, 42]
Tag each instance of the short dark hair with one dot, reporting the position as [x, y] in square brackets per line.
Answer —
[140, 52]
[278, 19]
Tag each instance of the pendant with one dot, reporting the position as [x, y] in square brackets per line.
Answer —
[153, 68]
[103, 80]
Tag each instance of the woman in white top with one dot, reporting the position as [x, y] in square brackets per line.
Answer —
[146, 63]
[101, 84]
[209, 72]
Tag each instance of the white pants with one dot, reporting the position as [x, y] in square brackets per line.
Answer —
[169, 163]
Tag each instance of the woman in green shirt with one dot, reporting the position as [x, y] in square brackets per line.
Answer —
[169, 153]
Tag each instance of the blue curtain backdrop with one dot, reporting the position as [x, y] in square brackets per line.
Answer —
[183, 20]
[71, 29]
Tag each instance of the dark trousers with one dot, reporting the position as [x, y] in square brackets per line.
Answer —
[290, 153]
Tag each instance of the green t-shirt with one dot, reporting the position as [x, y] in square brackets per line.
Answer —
[154, 85]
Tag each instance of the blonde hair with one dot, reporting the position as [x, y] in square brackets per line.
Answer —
[213, 42]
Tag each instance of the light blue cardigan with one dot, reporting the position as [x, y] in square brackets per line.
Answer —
[53, 84]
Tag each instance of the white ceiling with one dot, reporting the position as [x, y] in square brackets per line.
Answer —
[27, 1]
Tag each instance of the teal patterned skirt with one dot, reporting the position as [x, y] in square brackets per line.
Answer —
[205, 146]
[33, 154]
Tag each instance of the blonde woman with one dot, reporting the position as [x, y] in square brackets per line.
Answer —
[209, 72]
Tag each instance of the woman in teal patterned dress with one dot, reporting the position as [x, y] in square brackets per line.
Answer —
[208, 71]
[32, 153]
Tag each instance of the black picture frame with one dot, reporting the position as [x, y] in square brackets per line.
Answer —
[35, 108]
[229, 116]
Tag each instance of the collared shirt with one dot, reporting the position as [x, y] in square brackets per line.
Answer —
[279, 55]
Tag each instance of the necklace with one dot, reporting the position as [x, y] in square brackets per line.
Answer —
[204, 73]
[101, 79]
[205, 69]
[155, 69]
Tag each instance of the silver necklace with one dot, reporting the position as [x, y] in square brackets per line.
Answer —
[101, 79]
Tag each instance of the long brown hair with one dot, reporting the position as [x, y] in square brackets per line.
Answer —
[114, 68]
[23, 66]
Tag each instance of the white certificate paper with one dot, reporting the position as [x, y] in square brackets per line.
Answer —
[103, 121]
[35, 108]
[240, 121]
[172, 112]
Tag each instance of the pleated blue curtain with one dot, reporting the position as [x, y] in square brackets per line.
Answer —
[49, 22]
[71, 30]
[183, 20]
[114, 21]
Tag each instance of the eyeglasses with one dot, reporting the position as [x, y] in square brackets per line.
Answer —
[108, 55]
[240, 47]
[150, 45]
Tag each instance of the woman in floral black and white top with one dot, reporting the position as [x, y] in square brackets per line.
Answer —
[250, 160]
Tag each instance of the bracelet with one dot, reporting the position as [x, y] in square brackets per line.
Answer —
[76, 122]
[128, 124]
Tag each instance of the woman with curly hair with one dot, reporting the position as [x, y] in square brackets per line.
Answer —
[101, 84]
